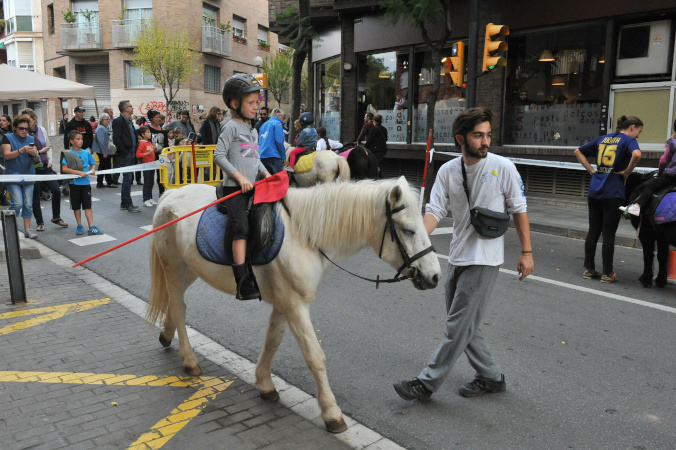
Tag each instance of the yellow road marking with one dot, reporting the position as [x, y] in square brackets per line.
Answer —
[162, 431]
[49, 313]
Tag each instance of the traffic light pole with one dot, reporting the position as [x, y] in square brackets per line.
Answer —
[473, 59]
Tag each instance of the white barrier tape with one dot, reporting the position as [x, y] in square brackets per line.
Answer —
[135, 168]
[22, 178]
[553, 164]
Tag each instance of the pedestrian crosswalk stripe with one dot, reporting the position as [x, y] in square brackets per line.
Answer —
[91, 240]
[147, 227]
[133, 193]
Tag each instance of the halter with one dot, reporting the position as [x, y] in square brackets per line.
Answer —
[408, 260]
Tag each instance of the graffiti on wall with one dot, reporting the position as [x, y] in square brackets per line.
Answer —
[176, 105]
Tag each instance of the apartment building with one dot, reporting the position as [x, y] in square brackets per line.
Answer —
[21, 44]
[94, 45]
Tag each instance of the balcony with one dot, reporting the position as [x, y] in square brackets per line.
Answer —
[216, 41]
[125, 32]
[81, 36]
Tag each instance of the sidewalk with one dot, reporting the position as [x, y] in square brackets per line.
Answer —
[81, 368]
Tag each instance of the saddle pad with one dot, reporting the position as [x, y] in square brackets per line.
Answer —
[346, 153]
[305, 163]
[666, 210]
[210, 239]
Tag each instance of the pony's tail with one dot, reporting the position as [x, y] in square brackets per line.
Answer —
[158, 302]
[344, 173]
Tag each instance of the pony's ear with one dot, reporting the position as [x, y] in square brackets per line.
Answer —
[395, 195]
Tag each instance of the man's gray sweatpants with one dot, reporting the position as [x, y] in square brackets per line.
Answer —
[468, 289]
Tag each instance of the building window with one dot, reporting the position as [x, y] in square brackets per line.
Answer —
[262, 35]
[136, 78]
[80, 6]
[18, 16]
[138, 10]
[50, 18]
[554, 87]
[209, 16]
[238, 26]
[212, 78]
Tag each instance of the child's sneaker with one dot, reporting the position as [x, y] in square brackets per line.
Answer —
[608, 278]
[94, 231]
[632, 209]
[590, 273]
[80, 230]
[148, 204]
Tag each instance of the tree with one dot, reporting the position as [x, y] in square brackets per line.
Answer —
[279, 70]
[165, 55]
[298, 29]
[424, 15]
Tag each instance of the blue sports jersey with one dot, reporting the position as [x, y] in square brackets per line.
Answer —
[613, 153]
[88, 161]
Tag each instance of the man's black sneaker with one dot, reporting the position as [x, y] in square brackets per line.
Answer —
[412, 390]
[480, 387]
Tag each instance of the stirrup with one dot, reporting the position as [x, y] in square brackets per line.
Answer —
[247, 290]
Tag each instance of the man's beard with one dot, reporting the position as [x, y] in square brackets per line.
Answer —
[474, 151]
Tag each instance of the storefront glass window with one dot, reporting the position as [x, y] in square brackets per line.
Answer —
[450, 100]
[329, 98]
[383, 89]
[554, 87]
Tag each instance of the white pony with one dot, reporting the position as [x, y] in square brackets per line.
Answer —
[327, 167]
[336, 218]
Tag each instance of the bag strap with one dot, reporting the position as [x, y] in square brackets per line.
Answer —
[464, 184]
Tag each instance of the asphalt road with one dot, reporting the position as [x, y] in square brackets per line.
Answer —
[587, 364]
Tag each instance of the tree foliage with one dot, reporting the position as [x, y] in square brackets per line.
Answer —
[280, 71]
[167, 56]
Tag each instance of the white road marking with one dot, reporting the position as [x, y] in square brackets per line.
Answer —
[587, 290]
[443, 230]
[147, 227]
[91, 240]
[133, 193]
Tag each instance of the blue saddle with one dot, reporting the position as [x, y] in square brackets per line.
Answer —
[210, 239]
[666, 209]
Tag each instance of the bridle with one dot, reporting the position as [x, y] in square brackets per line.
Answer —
[408, 260]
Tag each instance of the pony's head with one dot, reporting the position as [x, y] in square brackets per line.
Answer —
[405, 244]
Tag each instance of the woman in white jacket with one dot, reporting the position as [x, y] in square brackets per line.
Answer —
[43, 167]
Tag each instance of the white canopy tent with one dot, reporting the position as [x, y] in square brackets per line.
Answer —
[22, 84]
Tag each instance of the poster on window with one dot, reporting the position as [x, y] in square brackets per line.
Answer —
[395, 123]
[445, 112]
[553, 124]
[332, 124]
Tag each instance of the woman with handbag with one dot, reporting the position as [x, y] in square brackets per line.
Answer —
[43, 167]
[105, 150]
[377, 141]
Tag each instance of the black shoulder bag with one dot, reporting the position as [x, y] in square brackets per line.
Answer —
[486, 222]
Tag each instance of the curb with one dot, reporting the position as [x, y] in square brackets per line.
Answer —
[298, 401]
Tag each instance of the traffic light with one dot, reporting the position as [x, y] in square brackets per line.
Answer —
[262, 79]
[458, 60]
[493, 46]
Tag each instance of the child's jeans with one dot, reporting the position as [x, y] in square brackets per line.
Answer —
[148, 176]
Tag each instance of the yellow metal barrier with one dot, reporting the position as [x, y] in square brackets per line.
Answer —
[177, 169]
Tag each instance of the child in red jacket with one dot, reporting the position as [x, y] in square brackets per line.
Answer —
[146, 154]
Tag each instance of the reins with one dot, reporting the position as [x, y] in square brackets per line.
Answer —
[408, 261]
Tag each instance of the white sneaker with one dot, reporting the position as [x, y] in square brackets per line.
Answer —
[632, 209]
[148, 204]
[153, 202]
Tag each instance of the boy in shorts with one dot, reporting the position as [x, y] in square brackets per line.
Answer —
[80, 162]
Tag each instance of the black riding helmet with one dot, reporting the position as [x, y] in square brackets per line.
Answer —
[306, 119]
[236, 87]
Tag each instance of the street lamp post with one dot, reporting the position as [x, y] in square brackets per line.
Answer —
[258, 61]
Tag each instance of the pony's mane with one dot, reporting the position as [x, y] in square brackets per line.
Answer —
[333, 214]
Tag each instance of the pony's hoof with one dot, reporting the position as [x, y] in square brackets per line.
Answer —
[271, 396]
[164, 341]
[336, 426]
[646, 281]
[193, 371]
[661, 281]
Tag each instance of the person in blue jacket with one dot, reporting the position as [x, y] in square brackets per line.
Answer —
[271, 142]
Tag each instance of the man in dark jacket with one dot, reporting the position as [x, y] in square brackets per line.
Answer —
[264, 112]
[80, 124]
[124, 138]
[377, 141]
